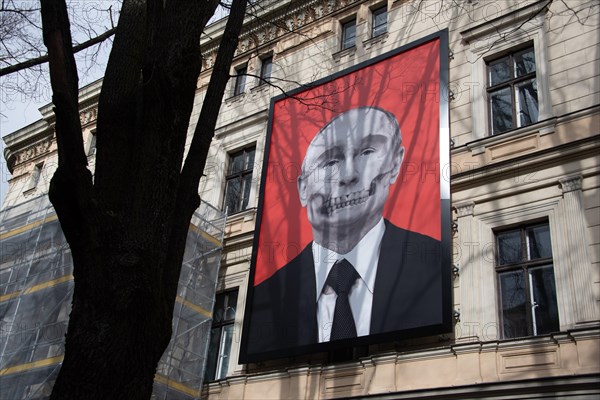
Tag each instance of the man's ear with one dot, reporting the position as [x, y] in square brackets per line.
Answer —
[396, 167]
[302, 191]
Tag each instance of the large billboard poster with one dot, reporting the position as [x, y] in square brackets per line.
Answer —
[352, 243]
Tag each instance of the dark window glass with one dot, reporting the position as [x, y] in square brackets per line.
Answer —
[514, 304]
[239, 180]
[512, 91]
[221, 335]
[527, 288]
[265, 70]
[379, 21]
[348, 34]
[543, 293]
[509, 247]
[539, 242]
[501, 110]
[527, 102]
[240, 81]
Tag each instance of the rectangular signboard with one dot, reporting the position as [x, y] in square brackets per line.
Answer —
[352, 243]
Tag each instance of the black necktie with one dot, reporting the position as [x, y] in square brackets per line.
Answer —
[341, 278]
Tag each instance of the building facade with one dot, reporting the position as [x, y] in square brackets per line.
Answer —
[524, 112]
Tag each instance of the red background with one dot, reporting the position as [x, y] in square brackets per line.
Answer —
[406, 84]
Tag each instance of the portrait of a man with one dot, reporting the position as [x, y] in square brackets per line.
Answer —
[361, 274]
[352, 235]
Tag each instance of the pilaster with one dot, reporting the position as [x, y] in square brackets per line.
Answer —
[574, 245]
[469, 273]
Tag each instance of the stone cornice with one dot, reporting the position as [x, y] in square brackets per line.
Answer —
[288, 17]
[509, 19]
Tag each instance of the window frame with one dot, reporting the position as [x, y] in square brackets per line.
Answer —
[248, 169]
[218, 372]
[374, 13]
[345, 25]
[524, 265]
[239, 86]
[512, 83]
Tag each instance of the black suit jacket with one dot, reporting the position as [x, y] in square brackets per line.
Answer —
[407, 294]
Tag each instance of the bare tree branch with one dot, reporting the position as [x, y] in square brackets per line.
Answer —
[44, 58]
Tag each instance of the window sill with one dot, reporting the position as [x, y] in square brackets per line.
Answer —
[381, 38]
[239, 223]
[346, 52]
[263, 87]
[235, 98]
[539, 129]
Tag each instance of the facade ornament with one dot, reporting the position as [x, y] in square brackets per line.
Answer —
[33, 151]
[465, 208]
[88, 115]
[266, 32]
[571, 183]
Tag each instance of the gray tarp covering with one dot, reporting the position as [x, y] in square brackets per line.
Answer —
[35, 298]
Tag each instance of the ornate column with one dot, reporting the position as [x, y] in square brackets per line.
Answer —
[467, 261]
[575, 257]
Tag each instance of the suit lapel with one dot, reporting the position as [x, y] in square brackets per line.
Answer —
[389, 269]
[307, 305]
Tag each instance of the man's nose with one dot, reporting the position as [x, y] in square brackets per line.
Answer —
[348, 172]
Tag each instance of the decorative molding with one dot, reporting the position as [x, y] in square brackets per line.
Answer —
[571, 183]
[33, 151]
[88, 115]
[465, 208]
[271, 28]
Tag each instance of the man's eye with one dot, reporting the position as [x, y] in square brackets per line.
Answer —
[367, 151]
[331, 163]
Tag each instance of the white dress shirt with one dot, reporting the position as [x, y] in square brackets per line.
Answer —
[364, 258]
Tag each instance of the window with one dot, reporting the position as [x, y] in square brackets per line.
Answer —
[92, 146]
[240, 80]
[265, 70]
[512, 91]
[348, 34]
[526, 281]
[219, 349]
[379, 21]
[239, 180]
[34, 178]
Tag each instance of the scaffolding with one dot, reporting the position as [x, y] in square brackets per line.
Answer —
[36, 287]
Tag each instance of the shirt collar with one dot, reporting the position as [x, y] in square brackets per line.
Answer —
[364, 257]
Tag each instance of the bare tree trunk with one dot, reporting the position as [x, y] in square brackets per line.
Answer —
[127, 229]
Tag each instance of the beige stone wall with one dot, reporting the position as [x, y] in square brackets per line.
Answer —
[468, 368]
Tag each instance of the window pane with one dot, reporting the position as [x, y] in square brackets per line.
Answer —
[349, 34]
[218, 309]
[509, 247]
[231, 305]
[233, 195]
[525, 62]
[236, 164]
[544, 300]
[501, 110]
[528, 102]
[213, 354]
[223, 364]
[538, 239]
[250, 159]
[379, 21]
[265, 69]
[499, 71]
[240, 81]
[514, 304]
[247, 185]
